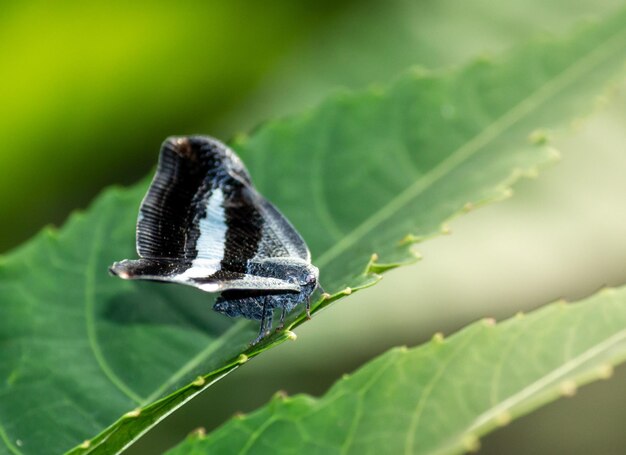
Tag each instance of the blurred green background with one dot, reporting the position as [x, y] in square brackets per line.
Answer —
[88, 92]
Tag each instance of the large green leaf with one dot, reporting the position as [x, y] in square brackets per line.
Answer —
[441, 397]
[364, 173]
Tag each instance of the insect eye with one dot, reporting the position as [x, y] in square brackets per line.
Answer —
[310, 278]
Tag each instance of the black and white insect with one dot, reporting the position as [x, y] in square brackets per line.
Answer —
[202, 223]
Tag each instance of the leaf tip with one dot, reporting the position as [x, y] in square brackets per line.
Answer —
[242, 359]
[568, 388]
[539, 137]
[50, 231]
[371, 265]
[607, 290]
[503, 419]
[409, 239]
[507, 192]
[471, 443]
[605, 371]
[132, 414]
[554, 154]
[280, 395]
[198, 433]
[531, 173]
[445, 229]
[438, 338]
[199, 381]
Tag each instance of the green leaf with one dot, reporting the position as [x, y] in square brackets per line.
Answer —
[439, 398]
[364, 173]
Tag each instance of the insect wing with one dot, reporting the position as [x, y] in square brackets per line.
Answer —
[202, 210]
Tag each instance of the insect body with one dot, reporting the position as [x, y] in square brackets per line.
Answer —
[203, 224]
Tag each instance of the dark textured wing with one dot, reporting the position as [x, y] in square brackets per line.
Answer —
[188, 171]
[202, 207]
[280, 235]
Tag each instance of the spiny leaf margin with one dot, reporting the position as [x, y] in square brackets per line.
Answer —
[564, 346]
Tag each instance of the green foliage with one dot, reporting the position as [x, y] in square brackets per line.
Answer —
[384, 38]
[440, 397]
[374, 172]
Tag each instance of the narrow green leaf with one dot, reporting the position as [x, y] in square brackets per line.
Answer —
[364, 173]
[441, 397]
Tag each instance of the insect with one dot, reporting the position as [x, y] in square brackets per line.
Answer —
[202, 223]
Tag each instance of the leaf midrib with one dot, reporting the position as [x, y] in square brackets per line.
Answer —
[7, 442]
[469, 148]
[195, 361]
[541, 384]
[554, 376]
[351, 433]
[409, 440]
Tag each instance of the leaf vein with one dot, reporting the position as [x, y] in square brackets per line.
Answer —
[7, 442]
[547, 380]
[90, 276]
[469, 148]
[428, 389]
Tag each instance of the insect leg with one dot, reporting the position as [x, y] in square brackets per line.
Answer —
[308, 307]
[281, 324]
[266, 323]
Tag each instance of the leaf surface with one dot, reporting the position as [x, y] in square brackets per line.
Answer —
[363, 173]
[439, 398]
